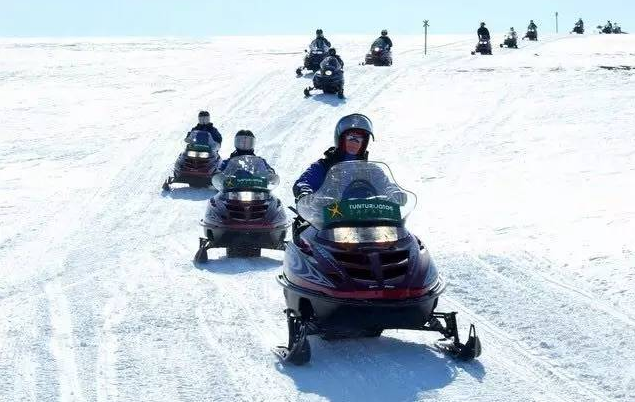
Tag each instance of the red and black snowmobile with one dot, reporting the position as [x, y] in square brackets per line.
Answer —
[355, 270]
[197, 164]
[243, 216]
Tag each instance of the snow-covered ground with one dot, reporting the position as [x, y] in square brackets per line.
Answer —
[523, 162]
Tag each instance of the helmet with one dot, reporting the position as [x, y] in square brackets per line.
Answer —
[384, 32]
[332, 51]
[531, 20]
[203, 117]
[319, 32]
[352, 121]
[244, 140]
[482, 24]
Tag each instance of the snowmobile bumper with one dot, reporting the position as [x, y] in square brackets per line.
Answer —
[352, 315]
[271, 237]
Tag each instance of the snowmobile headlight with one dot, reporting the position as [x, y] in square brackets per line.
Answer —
[377, 49]
[203, 154]
[328, 72]
[319, 52]
[192, 154]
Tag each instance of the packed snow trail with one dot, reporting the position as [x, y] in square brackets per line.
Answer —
[523, 163]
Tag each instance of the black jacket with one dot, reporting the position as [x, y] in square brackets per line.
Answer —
[210, 129]
[385, 39]
[322, 42]
[532, 26]
[326, 62]
[483, 33]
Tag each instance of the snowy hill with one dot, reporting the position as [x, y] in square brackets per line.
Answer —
[523, 162]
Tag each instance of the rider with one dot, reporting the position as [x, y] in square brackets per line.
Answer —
[333, 54]
[608, 28]
[385, 39]
[320, 41]
[352, 136]
[204, 124]
[512, 34]
[483, 33]
[244, 143]
[579, 26]
[532, 27]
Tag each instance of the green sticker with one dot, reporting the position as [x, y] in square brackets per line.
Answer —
[235, 183]
[362, 210]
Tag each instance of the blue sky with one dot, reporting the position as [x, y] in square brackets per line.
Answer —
[199, 18]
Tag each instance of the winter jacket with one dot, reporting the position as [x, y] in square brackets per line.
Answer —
[321, 43]
[313, 178]
[384, 39]
[532, 26]
[483, 33]
[216, 136]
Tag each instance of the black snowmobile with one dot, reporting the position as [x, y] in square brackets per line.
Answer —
[531, 34]
[510, 42]
[329, 79]
[196, 165]
[607, 29]
[313, 57]
[243, 216]
[379, 54]
[355, 270]
[484, 46]
[578, 29]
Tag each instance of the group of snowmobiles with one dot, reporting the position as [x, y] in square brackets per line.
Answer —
[484, 45]
[352, 269]
[328, 68]
[610, 28]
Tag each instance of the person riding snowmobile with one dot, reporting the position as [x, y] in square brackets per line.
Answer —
[532, 27]
[244, 143]
[608, 28]
[512, 34]
[579, 26]
[351, 138]
[332, 55]
[320, 41]
[385, 39]
[204, 124]
[483, 33]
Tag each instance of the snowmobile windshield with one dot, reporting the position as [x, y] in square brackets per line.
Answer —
[204, 141]
[247, 173]
[330, 63]
[318, 47]
[379, 44]
[358, 194]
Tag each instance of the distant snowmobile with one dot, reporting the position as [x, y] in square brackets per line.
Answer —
[531, 35]
[314, 56]
[484, 46]
[510, 41]
[329, 79]
[379, 54]
[355, 270]
[579, 27]
[196, 165]
[244, 216]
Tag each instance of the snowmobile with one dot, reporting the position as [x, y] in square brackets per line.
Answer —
[531, 35]
[313, 58]
[379, 54]
[329, 79]
[578, 29]
[607, 29]
[196, 165]
[243, 216]
[354, 270]
[510, 42]
[484, 46]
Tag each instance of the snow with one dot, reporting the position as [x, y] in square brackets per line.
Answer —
[523, 162]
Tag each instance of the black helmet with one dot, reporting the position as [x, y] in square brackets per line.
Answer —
[332, 51]
[352, 121]
[384, 32]
[319, 32]
[482, 24]
[203, 117]
[244, 140]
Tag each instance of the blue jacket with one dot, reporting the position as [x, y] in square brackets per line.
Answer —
[313, 178]
[216, 136]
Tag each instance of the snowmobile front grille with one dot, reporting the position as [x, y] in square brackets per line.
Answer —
[393, 264]
[241, 211]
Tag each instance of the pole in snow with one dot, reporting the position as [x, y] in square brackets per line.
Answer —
[556, 22]
[425, 28]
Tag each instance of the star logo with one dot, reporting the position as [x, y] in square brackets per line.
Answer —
[229, 182]
[335, 211]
